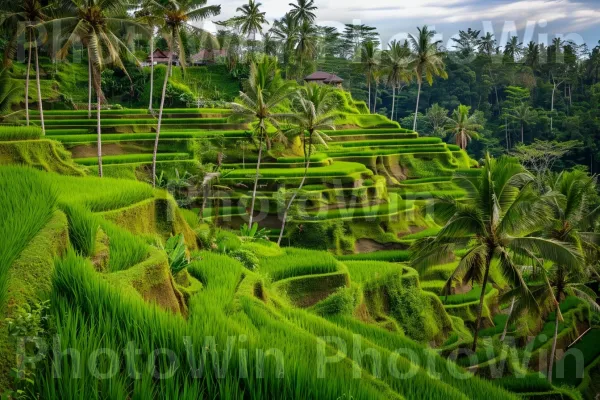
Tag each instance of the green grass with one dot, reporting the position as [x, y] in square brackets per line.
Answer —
[9, 133]
[333, 170]
[132, 158]
[392, 142]
[298, 262]
[471, 296]
[363, 271]
[381, 255]
[27, 203]
[394, 206]
[76, 136]
[137, 121]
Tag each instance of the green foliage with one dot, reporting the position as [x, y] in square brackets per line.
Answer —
[83, 228]
[253, 233]
[8, 133]
[246, 257]
[132, 158]
[298, 262]
[342, 302]
[177, 253]
[471, 296]
[27, 202]
[382, 255]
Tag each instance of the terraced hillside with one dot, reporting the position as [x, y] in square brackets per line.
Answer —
[371, 171]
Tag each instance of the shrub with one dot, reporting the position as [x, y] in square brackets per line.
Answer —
[246, 257]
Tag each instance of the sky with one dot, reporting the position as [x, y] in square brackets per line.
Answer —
[537, 20]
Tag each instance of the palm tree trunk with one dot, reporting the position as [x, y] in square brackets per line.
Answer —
[289, 204]
[552, 108]
[375, 98]
[27, 82]
[554, 340]
[99, 133]
[260, 146]
[417, 107]
[369, 88]
[393, 101]
[160, 113]
[39, 91]
[512, 307]
[151, 69]
[482, 299]
[89, 85]
[522, 130]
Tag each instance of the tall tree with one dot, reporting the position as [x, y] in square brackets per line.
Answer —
[572, 212]
[512, 50]
[500, 209]
[428, 61]
[462, 126]
[304, 11]
[306, 45]
[250, 22]
[315, 112]
[396, 62]
[264, 92]
[286, 31]
[179, 15]
[21, 19]
[523, 114]
[369, 60]
[96, 24]
[150, 14]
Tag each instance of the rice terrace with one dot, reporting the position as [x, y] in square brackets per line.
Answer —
[229, 199]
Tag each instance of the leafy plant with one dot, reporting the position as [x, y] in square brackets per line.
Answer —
[253, 232]
[177, 253]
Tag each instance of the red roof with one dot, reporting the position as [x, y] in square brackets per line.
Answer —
[324, 77]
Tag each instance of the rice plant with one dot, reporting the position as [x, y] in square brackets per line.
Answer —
[9, 133]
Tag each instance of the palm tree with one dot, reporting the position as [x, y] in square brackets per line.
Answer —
[314, 114]
[21, 18]
[151, 15]
[95, 23]
[179, 15]
[486, 44]
[571, 211]
[264, 91]
[251, 21]
[428, 61]
[501, 208]
[303, 11]
[524, 115]
[512, 49]
[286, 31]
[532, 55]
[396, 61]
[369, 62]
[306, 44]
[463, 126]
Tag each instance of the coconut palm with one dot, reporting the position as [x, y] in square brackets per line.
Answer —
[494, 220]
[396, 62]
[523, 114]
[178, 16]
[306, 44]
[428, 61]
[96, 23]
[315, 112]
[572, 212]
[21, 18]
[513, 49]
[303, 11]
[486, 44]
[462, 126]
[286, 31]
[151, 15]
[369, 62]
[264, 91]
[251, 20]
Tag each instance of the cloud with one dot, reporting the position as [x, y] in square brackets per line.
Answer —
[393, 16]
